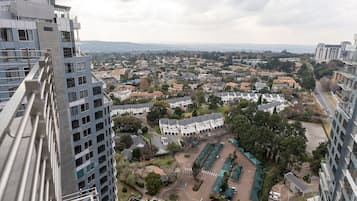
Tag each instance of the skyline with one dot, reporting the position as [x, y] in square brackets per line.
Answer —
[224, 22]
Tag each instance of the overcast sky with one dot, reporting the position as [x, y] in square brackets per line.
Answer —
[216, 21]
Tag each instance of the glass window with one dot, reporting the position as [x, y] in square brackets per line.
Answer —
[98, 103]
[5, 34]
[85, 120]
[70, 83]
[79, 161]
[74, 110]
[81, 185]
[72, 96]
[75, 124]
[81, 67]
[87, 132]
[99, 126]
[76, 137]
[69, 68]
[77, 149]
[101, 149]
[66, 36]
[67, 52]
[97, 90]
[80, 173]
[82, 80]
[98, 114]
[84, 107]
[100, 137]
[25, 35]
[83, 94]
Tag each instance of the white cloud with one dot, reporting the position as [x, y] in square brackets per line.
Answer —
[212, 21]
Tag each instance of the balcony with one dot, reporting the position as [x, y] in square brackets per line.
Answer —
[83, 195]
[29, 138]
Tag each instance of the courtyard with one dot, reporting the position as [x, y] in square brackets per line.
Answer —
[185, 182]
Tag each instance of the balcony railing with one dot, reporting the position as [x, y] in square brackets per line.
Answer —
[83, 195]
[15, 65]
[29, 143]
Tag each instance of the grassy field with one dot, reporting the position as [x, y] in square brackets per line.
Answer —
[162, 162]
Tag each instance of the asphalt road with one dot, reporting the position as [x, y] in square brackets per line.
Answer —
[323, 99]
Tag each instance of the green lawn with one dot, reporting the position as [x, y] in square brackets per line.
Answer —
[147, 136]
[163, 161]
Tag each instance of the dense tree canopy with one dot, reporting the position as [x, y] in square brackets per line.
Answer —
[157, 111]
[275, 64]
[214, 102]
[317, 155]
[307, 77]
[153, 183]
[268, 136]
[127, 123]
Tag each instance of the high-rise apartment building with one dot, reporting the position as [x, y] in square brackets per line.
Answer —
[28, 29]
[338, 173]
[328, 52]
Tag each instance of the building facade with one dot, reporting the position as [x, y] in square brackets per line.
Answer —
[28, 28]
[338, 173]
[191, 126]
[327, 52]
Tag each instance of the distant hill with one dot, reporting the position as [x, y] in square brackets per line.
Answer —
[101, 46]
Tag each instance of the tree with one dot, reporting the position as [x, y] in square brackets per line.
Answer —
[145, 129]
[260, 100]
[194, 113]
[214, 102]
[178, 111]
[165, 87]
[200, 97]
[153, 183]
[126, 140]
[137, 154]
[317, 156]
[173, 147]
[127, 123]
[307, 77]
[157, 111]
[196, 169]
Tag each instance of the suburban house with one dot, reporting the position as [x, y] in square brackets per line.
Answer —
[182, 102]
[278, 86]
[269, 107]
[287, 80]
[122, 95]
[135, 109]
[228, 97]
[245, 86]
[260, 85]
[191, 126]
[138, 142]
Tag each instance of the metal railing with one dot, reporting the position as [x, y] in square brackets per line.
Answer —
[90, 194]
[14, 67]
[29, 143]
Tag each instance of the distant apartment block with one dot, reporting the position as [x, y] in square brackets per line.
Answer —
[191, 126]
[327, 52]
